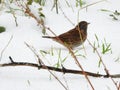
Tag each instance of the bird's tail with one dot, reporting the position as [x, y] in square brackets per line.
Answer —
[47, 37]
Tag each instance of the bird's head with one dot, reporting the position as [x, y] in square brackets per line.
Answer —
[83, 25]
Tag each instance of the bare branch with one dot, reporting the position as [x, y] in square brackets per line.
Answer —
[66, 71]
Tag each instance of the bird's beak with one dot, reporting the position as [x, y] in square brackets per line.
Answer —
[88, 23]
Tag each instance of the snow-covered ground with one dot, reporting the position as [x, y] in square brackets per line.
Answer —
[27, 78]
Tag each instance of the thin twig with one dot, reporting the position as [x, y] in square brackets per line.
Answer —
[5, 47]
[105, 68]
[91, 4]
[13, 13]
[45, 67]
[66, 16]
[79, 65]
[66, 82]
[39, 60]
[117, 87]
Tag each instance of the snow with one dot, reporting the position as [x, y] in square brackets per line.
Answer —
[27, 78]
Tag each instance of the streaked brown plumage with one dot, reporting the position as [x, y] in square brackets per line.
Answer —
[73, 37]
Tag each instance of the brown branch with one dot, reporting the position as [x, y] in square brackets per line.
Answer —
[28, 11]
[69, 71]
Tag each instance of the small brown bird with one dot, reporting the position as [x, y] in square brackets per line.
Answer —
[73, 37]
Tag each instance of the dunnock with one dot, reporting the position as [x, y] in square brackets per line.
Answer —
[73, 37]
